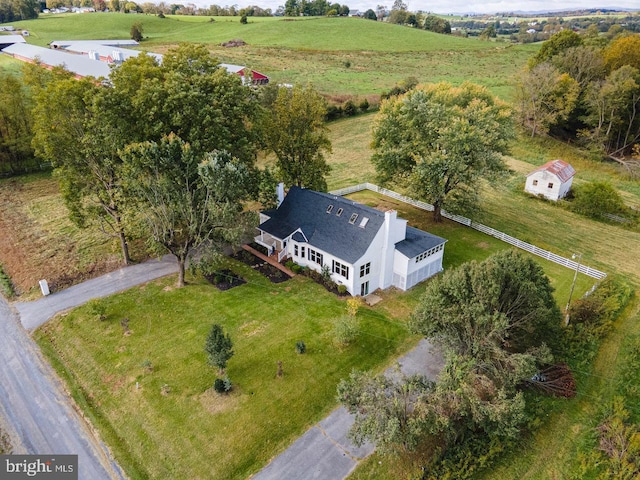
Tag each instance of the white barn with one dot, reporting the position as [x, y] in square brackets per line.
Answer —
[552, 180]
[364, 248]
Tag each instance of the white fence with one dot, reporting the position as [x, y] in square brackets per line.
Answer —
[565, 262]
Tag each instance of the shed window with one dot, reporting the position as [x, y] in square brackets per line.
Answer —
[339, 212]
[353, 218]
[329, 208]
[550, 185]
[535, 183]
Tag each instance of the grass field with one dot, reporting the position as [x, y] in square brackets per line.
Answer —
[354, 56]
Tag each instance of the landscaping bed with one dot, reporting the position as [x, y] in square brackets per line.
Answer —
[224, 279]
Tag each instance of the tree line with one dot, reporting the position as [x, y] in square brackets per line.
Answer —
[170, 149]
[586, 89]
[15, 10]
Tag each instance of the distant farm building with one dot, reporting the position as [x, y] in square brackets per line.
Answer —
[93, 57]
[7, 40]
[552, 180]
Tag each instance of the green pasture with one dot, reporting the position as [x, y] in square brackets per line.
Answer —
[340, 56]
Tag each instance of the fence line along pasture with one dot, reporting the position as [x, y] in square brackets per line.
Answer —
[552, 257]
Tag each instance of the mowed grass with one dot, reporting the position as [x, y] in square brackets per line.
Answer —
[339, 56]
[192, 432]
[39, 241]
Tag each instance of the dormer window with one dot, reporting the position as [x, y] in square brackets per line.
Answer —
[363, 222]
[329, 208]
[339, 212]
[353, 218]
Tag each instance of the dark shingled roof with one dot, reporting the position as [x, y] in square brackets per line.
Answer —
[307, 210]
[417, 242]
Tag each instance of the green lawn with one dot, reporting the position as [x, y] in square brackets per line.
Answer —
[192, 432]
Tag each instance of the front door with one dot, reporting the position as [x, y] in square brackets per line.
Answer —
[364, 289]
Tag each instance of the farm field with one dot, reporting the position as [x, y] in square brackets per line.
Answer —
[105, 369]
[356, 57]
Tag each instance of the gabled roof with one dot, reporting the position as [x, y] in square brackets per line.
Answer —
[108, 51]
[559, 168]
[417, 242]
[332, 233]
[77, 64]
[112, 43]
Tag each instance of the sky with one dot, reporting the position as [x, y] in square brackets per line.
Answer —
[458, 6]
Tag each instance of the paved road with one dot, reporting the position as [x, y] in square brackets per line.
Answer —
[34, 314]
[34, 409]
[324, 452]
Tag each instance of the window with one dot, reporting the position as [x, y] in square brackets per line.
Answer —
[329, 208]
[364, 222]
[295, 250]
[550, 184]
[339, 212]
[315, 257]
[365, 269]
[535, 183]
[353, 218]
[302, 251]
[341, 269]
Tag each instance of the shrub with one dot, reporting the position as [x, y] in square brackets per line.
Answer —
[6, 287]
[325, 274]
[295, 268]
[353, 305]
[342, 289]
[596, 199]
[346, 330]
[333, 112]
[349, 108]
[301, 347]
[136, 32]
[161, 15]
[218, 385]
[97, 309]
[364, 105]
[148, 366]
[289, 264]
[243, 19]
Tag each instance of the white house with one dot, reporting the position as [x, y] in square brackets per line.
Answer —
[552, 180]
[364, 248]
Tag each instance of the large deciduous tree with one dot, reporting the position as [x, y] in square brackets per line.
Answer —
[72, 132]
[495, 322]
[545, 98]
[186, 200]
[294, 131]
[440, 140]
[16, 153]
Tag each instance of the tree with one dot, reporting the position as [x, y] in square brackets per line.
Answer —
[545, 97]
[370, 15]
[596, 199]
[613, 106]
[584, 64]
[136, 31]
[72, 132]
[623, 51]
[295, 132]
[556, 44]
[186, 200]
[384, 410]
[16, 153]
[219, 347]
[437, 24]
[440, 140]
[497, 307]
[495, 322]
[191, 96]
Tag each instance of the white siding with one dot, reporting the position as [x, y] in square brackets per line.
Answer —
[543, 180]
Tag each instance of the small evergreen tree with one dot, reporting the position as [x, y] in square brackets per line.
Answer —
[219, 347]
[136, 32]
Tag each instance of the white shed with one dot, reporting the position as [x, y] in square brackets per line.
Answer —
[552, 180]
